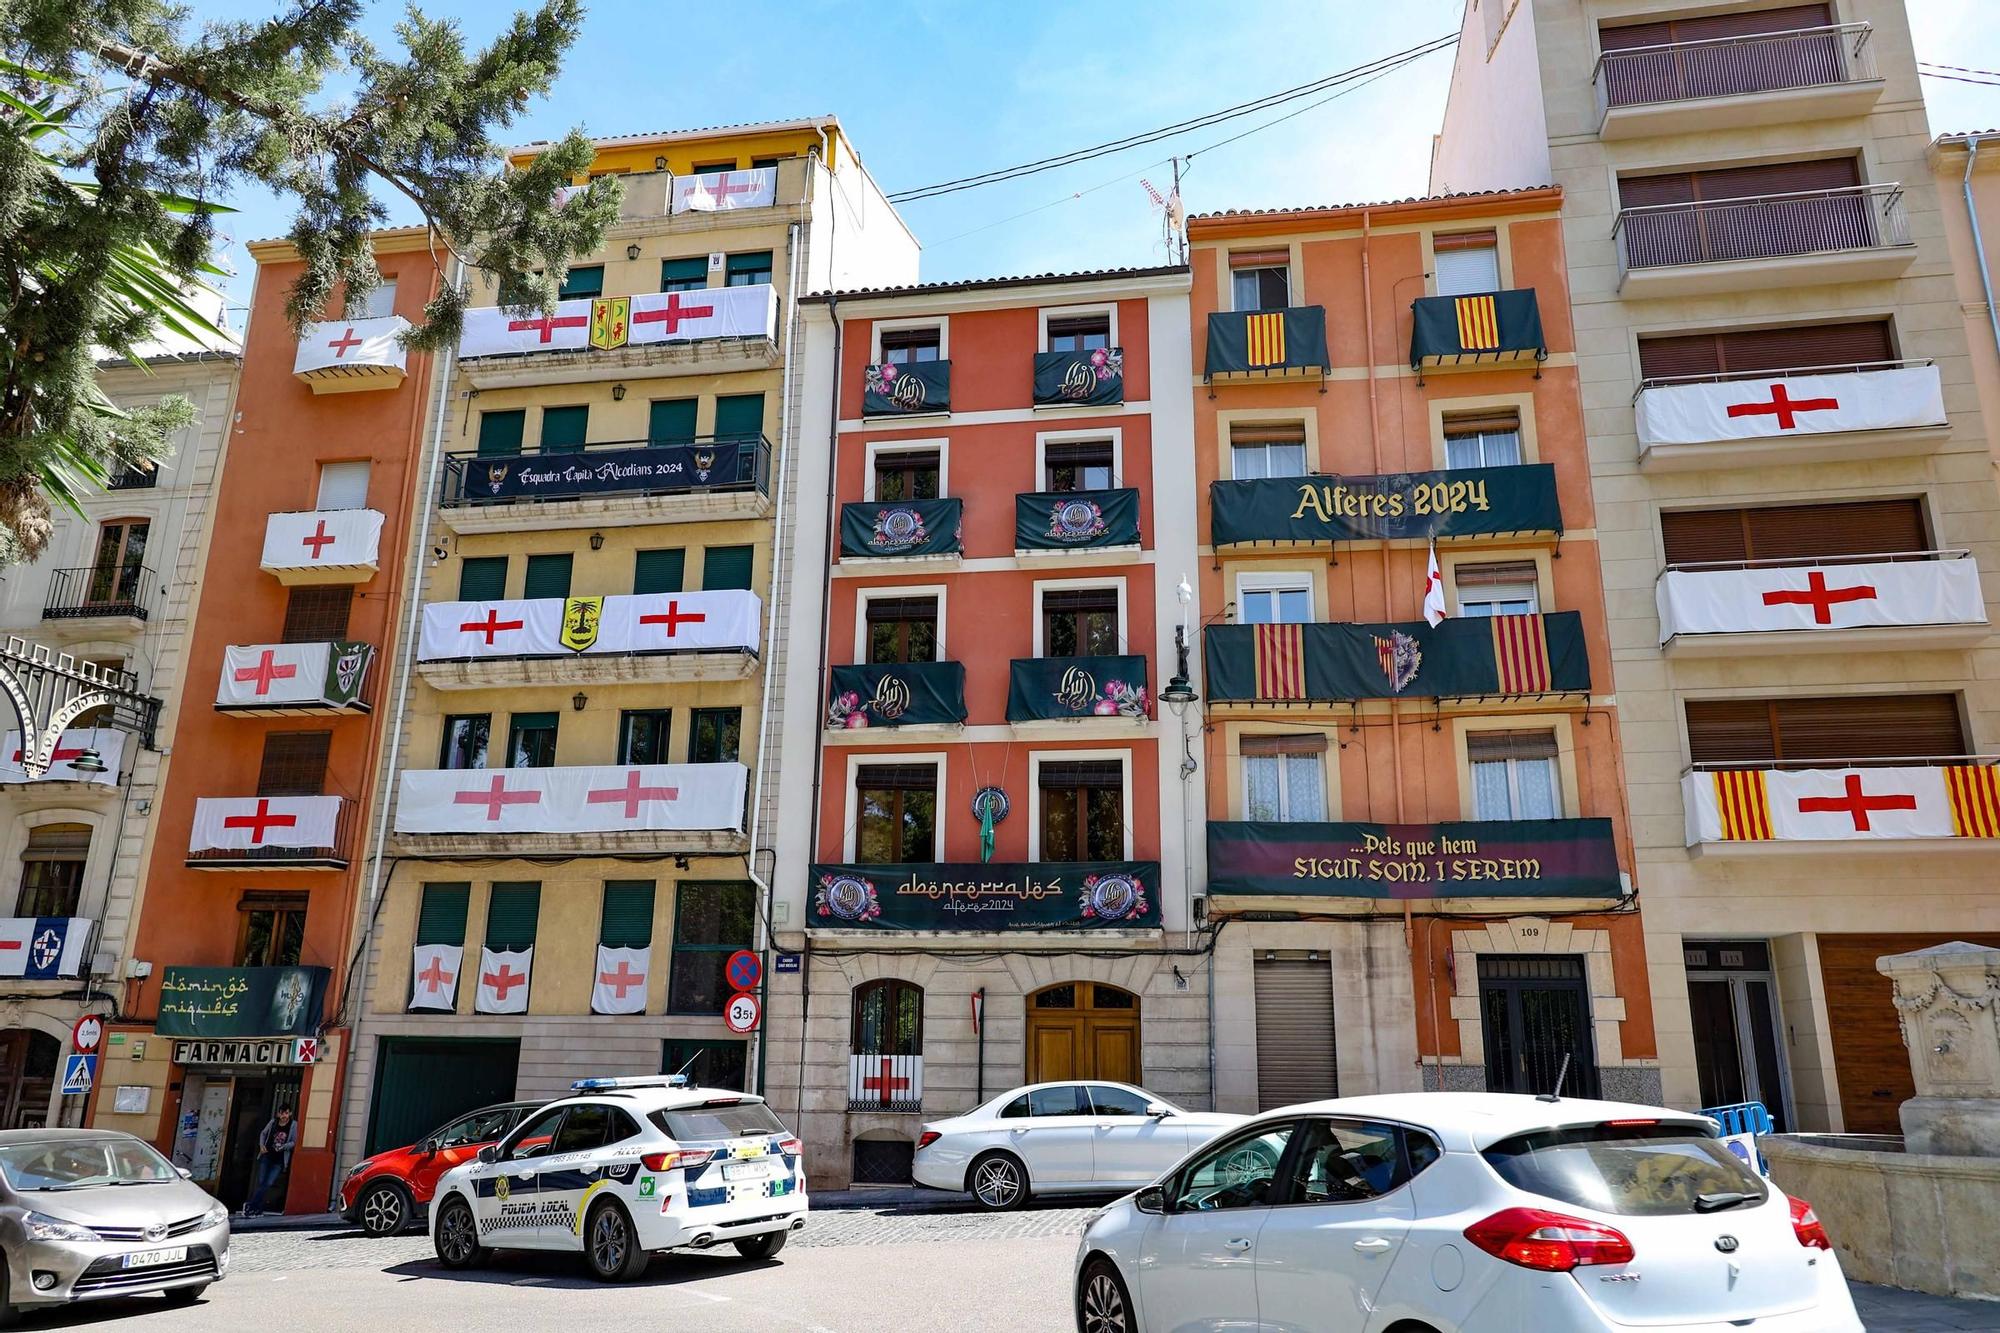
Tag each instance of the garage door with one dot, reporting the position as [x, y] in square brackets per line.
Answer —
[1868, 1055]
[1295, 1049]
[421, 1082]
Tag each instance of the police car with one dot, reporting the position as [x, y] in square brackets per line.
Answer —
[624, 1167]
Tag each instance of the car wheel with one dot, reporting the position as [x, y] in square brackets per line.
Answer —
[384, 1209]
[998, 1182]
[184, 1295]
[1102, 1303]
[9, 1316]
[761, 1247]
[610, 1245]
[457, 1238]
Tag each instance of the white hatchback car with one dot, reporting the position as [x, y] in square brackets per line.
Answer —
[1060, 1138]
[1462, 1213]
[625, 1168]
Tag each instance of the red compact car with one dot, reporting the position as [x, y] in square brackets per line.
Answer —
[386, 1192]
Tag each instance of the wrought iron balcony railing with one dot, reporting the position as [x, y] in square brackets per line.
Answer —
[1732, 66]
[1712, 231]
[100, 590]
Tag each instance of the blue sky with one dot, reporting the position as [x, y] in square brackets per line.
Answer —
[933, 91]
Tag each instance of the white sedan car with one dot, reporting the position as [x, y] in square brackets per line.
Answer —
[1453, 1212]
[1060, 1138]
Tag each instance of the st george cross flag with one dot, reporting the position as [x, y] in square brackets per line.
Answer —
[513, 628]
[109, 742]
[503, 980]
[269, 675]
[42, 948]
[720, 191]
[1835, 804]
[643, 623]
[339, 344]
[322, 539]
[656, 317]
[1836, 596]
[434, 976]
[603, 798]
[239, 823]
[1434, 611]
[619, 984]
[1776, 406]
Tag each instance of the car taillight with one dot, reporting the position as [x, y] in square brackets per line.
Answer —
[1549, 1242]
[790, 1147]
[927, 1138]
[670, 1161]
[1807, 1227]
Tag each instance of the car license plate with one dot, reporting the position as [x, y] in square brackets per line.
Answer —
[745, 1171]
[156, 1258]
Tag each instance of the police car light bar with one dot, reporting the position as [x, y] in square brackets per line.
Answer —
[646, 1081]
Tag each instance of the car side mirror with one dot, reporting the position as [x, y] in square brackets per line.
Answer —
[490, 1153]
[185, 1173]
[1152, 1199]
[1159, 1110]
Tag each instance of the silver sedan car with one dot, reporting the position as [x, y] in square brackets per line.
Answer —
[89, 1213]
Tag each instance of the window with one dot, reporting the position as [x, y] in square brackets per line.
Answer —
[1744, 351]
[583, 280]
[273, 930]
[52, 870]
[1346, 1161]
[759, 163]
[1482, 439]
[1260, 279]
[1079, 333]
[711, 921]
[749, 270]
[1239, 1172]
[1267, 449]
[642, 735]
[888, 1018]
[1794, 532]
[512, 911]
[343, 485]
[1080, 622]
[1514, 775]
[501, 433]
[1823, 729]
[548, 576]
[1083, 810]
[441, 913]
[532, 1139]
[1503, 588]
[1062, 1099]
[379, 303]
[593, 1125]
[136, 477]
[465, 739]
[902, 629]
[121, 550]
[671, 420]
[1274, 601]
[317, 614]
[1079, 465]
[1107, 1100]
[477, 1128]
[684, 275]
[659, 571]
[482, 578]
[1016, 1109]
[902, 475]
[1284, 778]
[715, 735]
[628, 914]
[710, 168]
[896, 813]
[902, 347]
[1468, 263]
[563, 429]
[706, 1063]
[739, 416]
[294, 763]
[1638, 1170]
[725, 567]
[531, 740]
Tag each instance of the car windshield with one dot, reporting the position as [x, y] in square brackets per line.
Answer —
[724, 1120]
[72, 1164]
[1640, 1170]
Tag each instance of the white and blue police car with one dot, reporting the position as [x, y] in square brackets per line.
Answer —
[623, 1168]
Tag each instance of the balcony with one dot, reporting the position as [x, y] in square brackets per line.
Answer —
[296, 679]
[709, 331]
[1054, 525]
[46, 948]
[902, 532]
[1927, 804]
[1077, 691]
[1473, 859]
[990, 897]
[1093, 378]
[1860, 233]
[608, 484]
[649, 638]
[1478, 658]
[270, 833]
[1736, 82]
[1931, 599]
[345, 356]
[1885, 409]
[322, 546]
[107, 742]
[704, 199]
[906, 389]
[688, 809]
[1461, 505]
[726, 191]
[1480, 331]
[1266, 344]
[106, 596]
[903, 696]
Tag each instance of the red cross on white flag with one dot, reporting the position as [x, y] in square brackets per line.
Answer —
[503, 980]
[618, 986]
[1434, 611]
[434, 976]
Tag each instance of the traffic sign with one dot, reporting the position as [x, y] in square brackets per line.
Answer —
[79, 1072]
[87, 1034]
[744, 970]
[741, 1013]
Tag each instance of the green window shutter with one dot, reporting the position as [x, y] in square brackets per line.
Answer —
[511, 913]
[500, 432]
[563, 429]
[482, 578]
[739, 416]
[676, 274]
[548, 576]
[628, 914]
[660, 571]
[757, 261]
[726, 567]
[587, 280]
[441, 915]
[672, 420]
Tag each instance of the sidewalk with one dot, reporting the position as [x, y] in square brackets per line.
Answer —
[1888, 1310]
[900, 1197]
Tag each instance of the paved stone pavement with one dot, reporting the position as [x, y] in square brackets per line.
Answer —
[1886, 1310]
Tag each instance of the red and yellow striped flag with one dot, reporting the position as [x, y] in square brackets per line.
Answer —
[1264, 339]
[1478, 324]
[1975, 800]
[1521, 654]
[1744, 804]
[1280, 661]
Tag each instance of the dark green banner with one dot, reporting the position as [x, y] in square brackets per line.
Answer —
[1464, 502]
[891, 390]
[1095, 378]
[241, 1001]
[1476, 657]
[1465, 330]
[875, 528]
[899, 694]
[1267, 342]
[1039, 688]
[1068, 520]
[1513, 858]
[987, 896]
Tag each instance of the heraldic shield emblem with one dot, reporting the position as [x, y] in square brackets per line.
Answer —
[610, 321]
[581, 618]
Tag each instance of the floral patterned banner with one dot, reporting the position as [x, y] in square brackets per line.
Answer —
[872, 529]
[1070, 687]
[1095, 378]
[987, 896]
[1069, 520]
[912, 389]
[897, 694]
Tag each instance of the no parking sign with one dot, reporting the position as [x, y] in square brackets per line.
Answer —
[744, 970]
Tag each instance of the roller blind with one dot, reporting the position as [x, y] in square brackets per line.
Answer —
[1881, 726]
[671, 419]
[1706, 27]
[1680, 187]
[1501, 573]
[1267, 432]
[482, 578]
[294, 763]
[548, 576]
[500, 432]
[725, 567]
[1295, 1026]
[1801, 348]
[1793, 532]
[1265, 745]
[511, 914]
[563, 429]
[441, 915]
[1491, 746]
[896, 777]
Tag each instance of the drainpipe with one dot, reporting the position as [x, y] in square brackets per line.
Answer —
[1978, 242]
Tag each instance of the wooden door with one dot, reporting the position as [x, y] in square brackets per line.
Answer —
[1869, 1061]
[1114, 1050]
[1053, 1046]
[1082, 1029]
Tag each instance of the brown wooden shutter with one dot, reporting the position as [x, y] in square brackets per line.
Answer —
[1496, 745]
[1672, 187]
[294, 763]
[1730, 731]
[1445, 242]
[896, 777]
[1274, 745]
[1081, 773]
[1058, 600]
[1863, 342]
[1698, 536]
[1794, 532]
[1818, 730]
[1632, 35]
[1482, 423]
[1267, 432]
[317, 615]
[1499, 573]
[890, 610]
[1680, 187]
[1259, 258]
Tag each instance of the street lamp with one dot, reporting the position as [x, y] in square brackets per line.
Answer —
[1179, 693]
[87, 761]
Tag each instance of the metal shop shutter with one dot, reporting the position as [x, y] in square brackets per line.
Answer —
[511, 913]
[548, 576]
[422, 1083]
[628, 914]
[659, 571]
[1794, 532]
[441, 914]
[1860, 343]
[1295, 1042]
[726, 567]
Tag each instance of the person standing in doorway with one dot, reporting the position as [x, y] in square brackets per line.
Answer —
[274, 1157]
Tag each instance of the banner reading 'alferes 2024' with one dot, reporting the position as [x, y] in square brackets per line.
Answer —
[1463, 502]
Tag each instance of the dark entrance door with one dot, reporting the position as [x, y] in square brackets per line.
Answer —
[28, 1063]
[421, 1082]
[1733, 998]
[1535, 1010]
[256, 1098]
